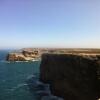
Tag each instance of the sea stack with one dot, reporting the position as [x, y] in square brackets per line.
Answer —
[72, 76]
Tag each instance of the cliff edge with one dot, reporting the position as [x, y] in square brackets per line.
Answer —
[72, 76]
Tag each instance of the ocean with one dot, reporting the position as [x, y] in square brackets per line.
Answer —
[20, 81]
[13, 77]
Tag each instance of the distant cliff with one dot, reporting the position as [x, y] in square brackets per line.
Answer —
[72, 76]
[27, 54]
[23, 56]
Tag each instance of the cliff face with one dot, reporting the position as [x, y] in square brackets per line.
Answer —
[23, 56]
[73, 77]
[15, 57]
[30, 53]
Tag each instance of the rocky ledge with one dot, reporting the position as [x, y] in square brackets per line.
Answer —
[23, 56]
[72, 76]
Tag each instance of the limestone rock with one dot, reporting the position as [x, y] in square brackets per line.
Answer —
[15, 57]
[23, 56]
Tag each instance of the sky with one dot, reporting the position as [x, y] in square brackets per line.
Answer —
[50, 23]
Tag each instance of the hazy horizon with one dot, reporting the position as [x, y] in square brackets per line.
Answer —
[49, 23]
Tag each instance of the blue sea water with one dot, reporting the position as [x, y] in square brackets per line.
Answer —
[19, 81]
[13, 77]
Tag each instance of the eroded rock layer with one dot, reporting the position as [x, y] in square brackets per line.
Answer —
[23, 56]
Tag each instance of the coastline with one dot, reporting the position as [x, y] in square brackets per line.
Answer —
[35, 54]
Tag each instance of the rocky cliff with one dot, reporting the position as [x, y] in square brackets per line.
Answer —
[23, 56]
[72, 76]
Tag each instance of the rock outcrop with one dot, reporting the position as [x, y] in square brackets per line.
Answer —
[30, 53]
[23, 56]
[73, 77]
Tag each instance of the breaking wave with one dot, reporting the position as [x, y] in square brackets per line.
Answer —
[41, 90]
